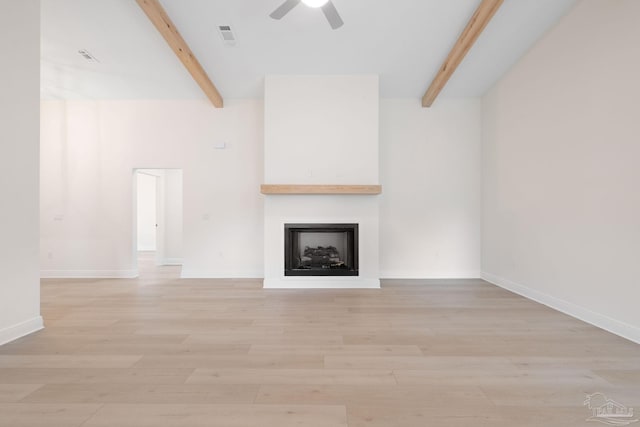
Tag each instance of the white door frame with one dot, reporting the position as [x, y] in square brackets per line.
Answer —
[160, 203]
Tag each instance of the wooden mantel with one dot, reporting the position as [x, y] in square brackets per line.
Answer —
[275, 189]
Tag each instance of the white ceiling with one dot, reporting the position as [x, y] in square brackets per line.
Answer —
[404, 41]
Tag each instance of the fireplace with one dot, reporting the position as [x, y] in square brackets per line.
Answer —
[321, 249]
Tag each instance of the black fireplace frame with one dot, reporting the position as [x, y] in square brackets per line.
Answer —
[291, 242]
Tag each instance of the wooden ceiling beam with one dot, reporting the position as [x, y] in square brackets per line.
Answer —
[472, 31]
[157, 15]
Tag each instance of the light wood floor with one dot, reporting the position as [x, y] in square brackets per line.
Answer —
[159, 351]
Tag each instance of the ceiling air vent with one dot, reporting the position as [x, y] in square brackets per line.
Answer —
[88, 55]
[228, 38]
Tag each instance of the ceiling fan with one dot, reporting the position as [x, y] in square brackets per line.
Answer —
[330, 11]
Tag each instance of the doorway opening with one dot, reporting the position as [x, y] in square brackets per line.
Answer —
[157, 234]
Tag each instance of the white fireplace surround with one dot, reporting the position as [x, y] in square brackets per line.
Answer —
[330, 139]
[361, 210]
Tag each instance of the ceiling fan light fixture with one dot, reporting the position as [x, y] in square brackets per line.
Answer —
[315, 3]
[328, 9]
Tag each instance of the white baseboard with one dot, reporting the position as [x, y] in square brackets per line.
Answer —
[171, 261]
[321, 283]
[220, 274]
[403, 274]
[21, 329]
[614, 326]
[88, 274]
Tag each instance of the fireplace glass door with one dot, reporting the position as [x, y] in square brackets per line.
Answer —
[321, 249]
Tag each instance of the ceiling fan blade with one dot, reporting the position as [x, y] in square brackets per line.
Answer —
[332, 15]
[284, 8]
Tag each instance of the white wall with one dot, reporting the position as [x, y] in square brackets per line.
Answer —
[146, 195]
[321, 129]
[20, 74]
[429, 168]
[431, 176]
[561, 217]
[89, 152]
